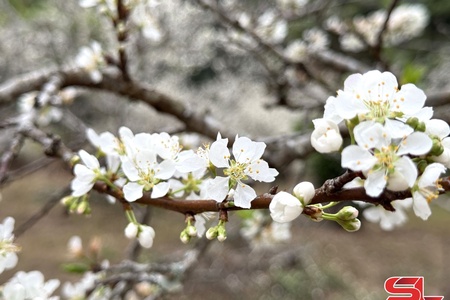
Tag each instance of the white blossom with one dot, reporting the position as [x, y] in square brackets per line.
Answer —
[271, 28]
[8, 256]
[383, 162]
[85, 174]
[388, 220]
[91, 60]
[246, 163]
[426, 189]
[30, 285]
[375, 96]
[296, 51]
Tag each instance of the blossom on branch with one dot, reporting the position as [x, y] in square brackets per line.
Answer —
[246, 163]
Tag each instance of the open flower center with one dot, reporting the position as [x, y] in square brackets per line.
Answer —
[236, 171]
[386, 157]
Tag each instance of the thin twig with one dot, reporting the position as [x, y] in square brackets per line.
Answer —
[52, 202]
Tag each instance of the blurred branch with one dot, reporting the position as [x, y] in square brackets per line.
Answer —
[377, 49]
[52, 202]
[167, 276]
[8, 156]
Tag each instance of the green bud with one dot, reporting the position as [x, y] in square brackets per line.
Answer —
[212, 233]
[67, 201]
[437, 148]
[83, 208]
[191, 230]
[347, 213]
[350, 225]
[74, 160]
[185, 237]
[413, 122]
[222, 234]
[421, 127]
[421, 165]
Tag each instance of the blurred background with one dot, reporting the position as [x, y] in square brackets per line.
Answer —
[198, 60]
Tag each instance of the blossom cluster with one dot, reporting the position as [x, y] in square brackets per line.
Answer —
[406, 22]
[157, 164]
[396, 144]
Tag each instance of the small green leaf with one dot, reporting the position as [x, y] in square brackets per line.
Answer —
[78, 268]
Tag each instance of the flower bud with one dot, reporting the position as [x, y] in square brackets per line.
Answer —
[326, 137]
[221, 233]
[421, 127]
[132, 230]
[191, 230]
[437, 148]
[67, 201]
[304, 191]
[348, 213]
[185, 237]
[284, 207]
[146, 236]
[350, 225]
[83, 208]
[212, 233]
[75, 246]
[413, 122]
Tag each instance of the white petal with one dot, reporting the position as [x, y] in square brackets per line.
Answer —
[80, 188]
[371, 134]
[244, 195]
[132, 191]
[245, 150]
[375, 183]
[160, 190]
[165, 169]
[348, 106]
[217, 188]
[431, 175]
[357, 159]
[130, 170]
[219, 155]
[397, 129]
[417, 143]
[407, 168]
[410, 99]
[420, 206]
[89, 160]
[437, 127]
[260, 171]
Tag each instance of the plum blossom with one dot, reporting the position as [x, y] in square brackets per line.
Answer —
[271, 28]
[85, 174]
[384, 162]
[8, 256]
[30, 285]
[388, 220]
[375, 96]
[426, 189]
[246, 163]
[91, 59]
